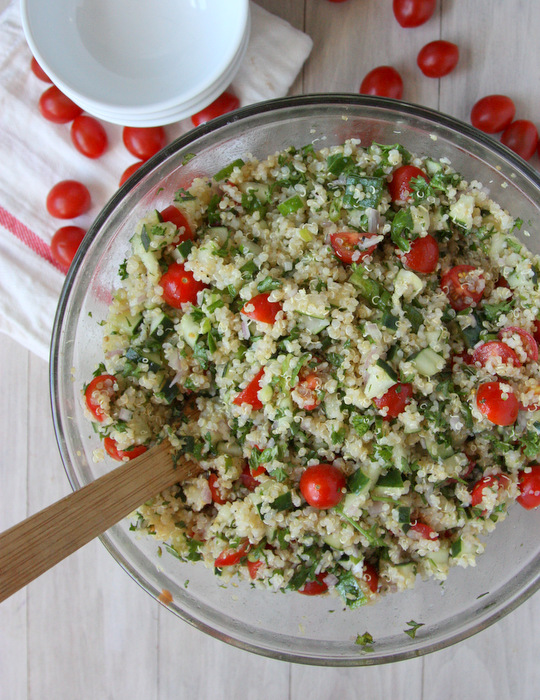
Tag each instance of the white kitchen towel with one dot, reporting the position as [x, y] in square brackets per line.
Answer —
[35, 154]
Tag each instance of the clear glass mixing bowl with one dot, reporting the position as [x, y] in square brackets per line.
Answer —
[291, 627]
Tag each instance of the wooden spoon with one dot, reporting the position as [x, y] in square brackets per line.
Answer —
[38, 543]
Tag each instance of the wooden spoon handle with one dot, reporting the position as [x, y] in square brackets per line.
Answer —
[38, 543]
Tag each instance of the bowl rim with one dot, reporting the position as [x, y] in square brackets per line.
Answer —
[492, 612]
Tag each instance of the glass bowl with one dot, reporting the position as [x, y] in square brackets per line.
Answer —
[315, 630]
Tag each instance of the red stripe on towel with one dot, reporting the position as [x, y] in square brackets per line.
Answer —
[26, 236]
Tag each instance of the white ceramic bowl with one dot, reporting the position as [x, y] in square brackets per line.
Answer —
[179, 111]
[134, 58]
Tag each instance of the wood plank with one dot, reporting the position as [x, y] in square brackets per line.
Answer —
[209, 668]
[13, 478]
[352, 38]
[396, 681]
[88, 623]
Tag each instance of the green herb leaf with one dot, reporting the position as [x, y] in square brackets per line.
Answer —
[413, 628]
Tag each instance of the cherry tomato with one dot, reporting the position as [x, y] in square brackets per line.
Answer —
[528, 341]
[68, 199]
[371, 577]
[249, 476]
[230, 557]
[521, 137]
[463, 286]
[413, 13]
[421, 531]
[351, 246]
[144, 141]
[261, 309]
[88, 136]
[498, 406]
[214, 490]
[180, 286]
[253, 568]
[64, 244]
[57, 107]
[400, 187]
[100, 390]
[322, 485]
[423, 255]
[315, 587]
[307, 389]
[493, 113]
[384, 81]
[395, 400]
[494, 481]
[438, 58]
[495, 351]
[175, 216]
[529, 486]
[38, 71]
[111, 448]
[128, 172]
[225, 103]
[249, 394]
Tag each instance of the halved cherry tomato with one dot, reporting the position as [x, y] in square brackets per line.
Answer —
[371, 577]
[65, 243]
[230, 557]
[351, 246]
[253, 568]
[423, 255]
[322, 485]
[214, 490]
[521, 137]
[493, 113]
[68, 199]
[111, 448]
[413, 13]
[57, 107]
[421, 531]
[498, 406]
[128, 172]
[536, 333]
[494, 481]
[463, 285]
[261, 309]
[529, 487]
[315, 587]
[306, 390]
[249, 394]
[249, 476]
[175, 216]
[400, 185]
[395, 399]
[38, 71]
[383, 81]
[225, 103]
[144, 141]
[530, 346]
[495, 351]
[101, 385]
[180, 286]
[89, 136]
[438, 58]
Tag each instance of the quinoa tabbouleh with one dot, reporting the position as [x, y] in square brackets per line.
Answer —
[346, 342]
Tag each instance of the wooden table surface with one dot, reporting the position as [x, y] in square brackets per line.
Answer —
[85, 630]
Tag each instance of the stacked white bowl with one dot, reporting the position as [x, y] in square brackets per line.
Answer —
[138, 62]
